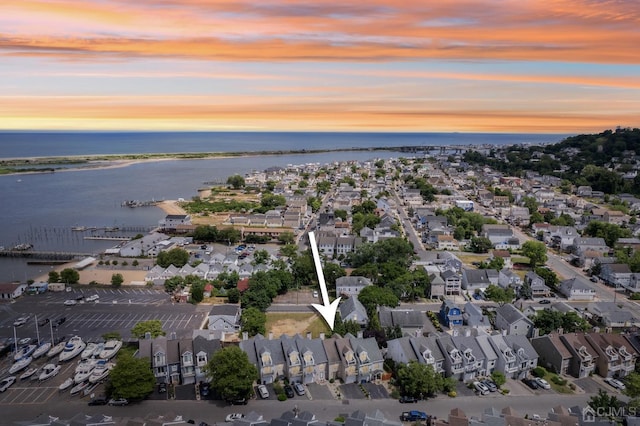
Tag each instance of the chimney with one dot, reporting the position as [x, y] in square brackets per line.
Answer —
[245, 335]
[271, 335]
[147, 335]
[360, 334]
[309, 335]
[222, 336]
[173, 336]
[321, 336]
[560, 331]
[467, 332]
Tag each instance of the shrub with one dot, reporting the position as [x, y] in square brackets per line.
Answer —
[505, 391]
[558, 380]
[282, 397]
[539, 371]
[331, 380]
[452, 394]
[395, 394]
[340, 419]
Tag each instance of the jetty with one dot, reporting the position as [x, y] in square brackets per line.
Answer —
[136, 203]
[106, 238]
[43, 255]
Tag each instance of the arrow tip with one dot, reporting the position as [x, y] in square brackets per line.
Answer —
[328, 312]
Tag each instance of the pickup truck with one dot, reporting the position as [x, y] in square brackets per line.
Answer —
[413, 416]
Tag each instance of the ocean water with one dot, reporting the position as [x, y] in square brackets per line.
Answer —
[41, 209]
[24, 144]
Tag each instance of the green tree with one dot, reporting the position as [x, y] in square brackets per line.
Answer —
[373, 296]
[536, 251]
[131, 378]
[332, 272]
[236, 181]
[315, 203]
[603, 402]
[177, 257]
[610, 232]
[632, 383]
[480, 244]
[342, 214]
[154, 327]
[323, 186]
[117, 280]
[260, 256]
[197, 292]
[289, 251]
[231, 373]
[69, 276]
[499, 378]
[233, 295]
[253, 321]
[531, 204]
[499, 294]
[54, 277]
[418, 380]
[550, 278]
[286, 237]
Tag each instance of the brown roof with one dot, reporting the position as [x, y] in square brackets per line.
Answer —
[243, 285]
[9, 287]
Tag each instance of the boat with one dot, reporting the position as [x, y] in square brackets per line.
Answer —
[90, 388]
[20, 365]
[88, 350]
[100, 372]
[56, 349]
[111, 348]
[66, 384]
[24, 352]
[79, 388]
[72, 349]
[48, 371]
[99, 348]
[30, 372]
[79, 228]
[83, 371]
[41, 350]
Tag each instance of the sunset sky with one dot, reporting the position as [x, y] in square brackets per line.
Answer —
[552, 66]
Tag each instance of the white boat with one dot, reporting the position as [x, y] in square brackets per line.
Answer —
[83, 373]
[100, 372]
[30, 372]
[41, 350]
[79, 387]
[24, 352]
[99, 349]
[111, 348]
[56, 349]
[72, 349]
[88, 350]
[66, 384]
[90, 388]
[20, 365]
[48, 371]
[83, 364]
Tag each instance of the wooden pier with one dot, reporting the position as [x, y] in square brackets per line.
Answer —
[43, 255]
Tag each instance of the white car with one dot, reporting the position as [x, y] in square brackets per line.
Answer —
[481, 388]
[615, 383]
[542, 383]
[20, 321]
[263, 391]
[70, 302]
[92, 298]
[7, 382]
[233, 417]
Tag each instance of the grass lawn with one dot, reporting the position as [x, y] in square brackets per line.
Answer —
[291, 323]
[558, 388]
[469, 258]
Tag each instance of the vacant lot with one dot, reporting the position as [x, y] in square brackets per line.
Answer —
[291, 323]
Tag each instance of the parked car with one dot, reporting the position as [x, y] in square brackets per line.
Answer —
[99, 400]
[60, 321]
[288, 390]
[118, 401]
[43, 322]
[594, 279]
[70, 302]
[233, 417]
[615, 383]
[299, 388]
[531, 383]
[92, 298]
[162, 387]
[238, 401]
[544, 302]
[413, 416]
[542, 383]
[7, 382]
[406, 399]
[490, 384]
[20, 321]
[481, 388]
[205, 389]
[263, 391]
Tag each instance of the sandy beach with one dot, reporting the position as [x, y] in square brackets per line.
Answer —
[102, 274]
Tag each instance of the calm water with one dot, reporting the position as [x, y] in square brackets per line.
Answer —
[41, 209]
[61, 144]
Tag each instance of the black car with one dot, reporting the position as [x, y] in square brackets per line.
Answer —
[405, 399]
[162, 387]
[205, 388]
[60, 321]
[238, 401]
[531, 383]
[288, 390]
[100, 400]
[43, 322]
[544, 302]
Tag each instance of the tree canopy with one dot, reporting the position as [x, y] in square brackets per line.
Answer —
[231, 373]
[373, 296]
[253, 321]
[536, 251]
[69, 276]
[499, 294]
[236, 181]
[131, 377]
[177, 257]
[419, 380]
[151, 326]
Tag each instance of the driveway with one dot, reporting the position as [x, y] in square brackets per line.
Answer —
[590, 385]
[319, 392]
[376, 391]
[352, 391]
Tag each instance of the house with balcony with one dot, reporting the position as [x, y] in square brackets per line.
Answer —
[553, 353]
[537, 285]
[203, 348]
[526, 355]
[334, 361]
[452, 282]
[173, 360]
[424, 350]
[314, 359]
[159, 357]
[267, 356]
[583, 356]
[187, 362]
[293, 360]
[450, 313]
[616, 357]
[490, 355]
[472, 357]
[615, 274]
[348, 369]
[368, 357]
[506, 362]
[577, 289]
[453, 363]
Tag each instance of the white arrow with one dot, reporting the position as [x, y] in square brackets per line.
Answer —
[327, 310]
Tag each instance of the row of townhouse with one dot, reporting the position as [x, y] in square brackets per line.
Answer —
[467, 357]
[583, 354]
[306, 360]
[208, 271]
